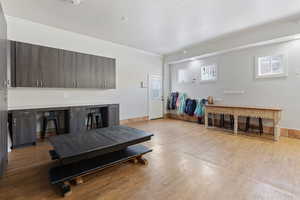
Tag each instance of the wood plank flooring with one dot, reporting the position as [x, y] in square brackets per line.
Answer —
[188, 163]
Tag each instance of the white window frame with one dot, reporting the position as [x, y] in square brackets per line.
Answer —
[211, 80]
[284, 66]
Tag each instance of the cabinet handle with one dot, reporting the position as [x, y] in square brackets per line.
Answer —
[14, 121]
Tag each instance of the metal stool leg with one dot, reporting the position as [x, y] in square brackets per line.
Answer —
[261, 128]
[89, 122]
[247, 124]
[232, 122]
[56, 126]
[222, 122]
[45, 122]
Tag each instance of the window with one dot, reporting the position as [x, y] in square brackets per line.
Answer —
[271, 66]
[181, 76]
[184, 76]
[208, 72]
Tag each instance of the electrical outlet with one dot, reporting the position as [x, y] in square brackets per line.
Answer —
[298, 72]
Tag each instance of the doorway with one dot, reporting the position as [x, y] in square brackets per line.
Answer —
[155, 96]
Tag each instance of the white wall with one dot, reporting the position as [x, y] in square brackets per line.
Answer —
[236, 72]
[133, 66]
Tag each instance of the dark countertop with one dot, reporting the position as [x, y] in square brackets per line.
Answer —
[53, 108]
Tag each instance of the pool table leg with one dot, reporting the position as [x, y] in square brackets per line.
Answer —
[142, 160]
[65, 188]
[78, 180]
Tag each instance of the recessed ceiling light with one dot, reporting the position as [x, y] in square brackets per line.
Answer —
[75, 2]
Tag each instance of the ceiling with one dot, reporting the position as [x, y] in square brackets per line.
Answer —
[158, 26]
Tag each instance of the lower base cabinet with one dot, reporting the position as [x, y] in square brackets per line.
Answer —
[23, 128]
[23, 123]
[113, 115]
[77, 118]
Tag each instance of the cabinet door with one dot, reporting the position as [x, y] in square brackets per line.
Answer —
[110, 73]
[113, 115]
[23, 128]
[98, 72]
[83, 70]
[67, 68]
[27, 72]
[78, 120]
[49, 69]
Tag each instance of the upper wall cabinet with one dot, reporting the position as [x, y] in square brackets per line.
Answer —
[45, 67]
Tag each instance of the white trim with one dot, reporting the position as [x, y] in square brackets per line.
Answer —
[264, 43]
[149, 95]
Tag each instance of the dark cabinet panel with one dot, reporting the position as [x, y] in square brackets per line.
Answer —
[83, 71]
[48, 67]
[38, 66]
[67, 68]
[113, 115]
[78, 117]
[27, 65]
[109, 73]
[112, 74]
[23, 128]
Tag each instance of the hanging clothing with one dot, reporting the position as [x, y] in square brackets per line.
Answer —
[171, 103]
[181, 107]
[168, 104]
[190, 106]
[178, 102]
[200, 108]
[174, 96]
[186, 105]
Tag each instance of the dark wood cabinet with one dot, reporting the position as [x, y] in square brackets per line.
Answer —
[49, 68]
[67, 69]
[3, 93]
[77, 118]
[110, 74]
[113, 115]
[39, 66]
[83, 71]
[23, 128]
[27, 73]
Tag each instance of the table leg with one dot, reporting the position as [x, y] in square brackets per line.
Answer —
[276, 130]
[236, 117]
[206, 120]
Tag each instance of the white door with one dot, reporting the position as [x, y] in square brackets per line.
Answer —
[155, 97]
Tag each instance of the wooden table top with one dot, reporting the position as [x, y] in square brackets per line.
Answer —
[104, 139]
[243, 107]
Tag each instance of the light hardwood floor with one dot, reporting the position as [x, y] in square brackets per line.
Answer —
[188, 163]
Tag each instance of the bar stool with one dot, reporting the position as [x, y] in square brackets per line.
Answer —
[222, 121]
[50, 116]
[261, 129]
[94, 116]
